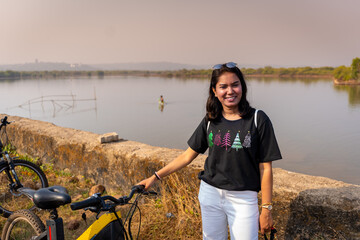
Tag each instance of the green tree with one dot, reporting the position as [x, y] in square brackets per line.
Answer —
[355, 68]
[342, 73]
[268, 70]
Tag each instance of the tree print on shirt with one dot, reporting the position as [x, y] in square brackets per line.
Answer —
[217, 140]
[211, 139]
[247, 140]
[237, 143]
[226, 140]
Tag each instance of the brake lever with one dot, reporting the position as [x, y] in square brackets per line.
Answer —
[92, 209]
[149, 192]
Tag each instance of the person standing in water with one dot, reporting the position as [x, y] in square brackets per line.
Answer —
[161, 100]
[242, 146]
[161, 103]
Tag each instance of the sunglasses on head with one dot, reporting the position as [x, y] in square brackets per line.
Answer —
[229, 65]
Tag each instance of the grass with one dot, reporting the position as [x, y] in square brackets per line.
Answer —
[173, 214]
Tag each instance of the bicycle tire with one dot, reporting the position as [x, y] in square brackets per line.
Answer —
[30, 175]
[22, 224]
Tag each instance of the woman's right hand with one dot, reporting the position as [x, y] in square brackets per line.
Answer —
[148, 182]
[181, 161]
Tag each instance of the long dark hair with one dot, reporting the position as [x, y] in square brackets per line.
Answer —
[213, 105]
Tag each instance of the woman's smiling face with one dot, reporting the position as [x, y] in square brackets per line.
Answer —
[228, 90]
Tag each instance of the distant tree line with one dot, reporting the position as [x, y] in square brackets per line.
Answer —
[348, 73]
[292, 72]
[183, 73]
[48, 74]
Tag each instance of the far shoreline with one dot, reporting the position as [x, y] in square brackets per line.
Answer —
[12, 75]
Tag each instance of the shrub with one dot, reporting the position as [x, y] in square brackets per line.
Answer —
[342, 73]
[355, 68]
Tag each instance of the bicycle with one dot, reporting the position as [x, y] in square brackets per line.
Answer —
[15, 175]
[24, 224]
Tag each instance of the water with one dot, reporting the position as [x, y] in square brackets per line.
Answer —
[315, 122]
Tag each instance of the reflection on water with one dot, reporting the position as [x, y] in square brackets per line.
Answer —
[161, 106]
[316, 124]
[353, 92]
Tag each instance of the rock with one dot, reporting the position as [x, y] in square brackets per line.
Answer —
[325, 213]
[97, 189]
[109, 137]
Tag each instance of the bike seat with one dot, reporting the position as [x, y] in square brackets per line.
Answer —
[50, 197]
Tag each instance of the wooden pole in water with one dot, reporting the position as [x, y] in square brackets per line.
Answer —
[42, 103]
[95, 101]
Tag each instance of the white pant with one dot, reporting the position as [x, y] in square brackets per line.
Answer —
[220, 208]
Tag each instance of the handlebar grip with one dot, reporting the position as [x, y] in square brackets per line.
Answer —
[134, 189]
[138, 188]
[92, 201]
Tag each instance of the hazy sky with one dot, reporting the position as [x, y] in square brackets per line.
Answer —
[261, 32]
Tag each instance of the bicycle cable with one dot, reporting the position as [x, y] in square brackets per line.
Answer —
[122, 226]
[129, 229]
[130, 214]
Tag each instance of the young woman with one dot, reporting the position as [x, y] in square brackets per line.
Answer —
[242, 146]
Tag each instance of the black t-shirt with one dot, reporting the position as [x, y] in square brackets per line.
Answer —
[235, 150]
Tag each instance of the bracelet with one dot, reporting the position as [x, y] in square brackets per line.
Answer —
[157, 176]
[266, 204]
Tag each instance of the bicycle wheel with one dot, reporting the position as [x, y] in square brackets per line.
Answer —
[30, 176]
[22, 224]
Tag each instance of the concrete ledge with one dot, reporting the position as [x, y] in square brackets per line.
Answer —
[306, 207]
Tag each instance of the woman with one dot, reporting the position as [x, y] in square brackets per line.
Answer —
[242, 146]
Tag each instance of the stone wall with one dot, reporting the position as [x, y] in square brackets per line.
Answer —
[306, 207]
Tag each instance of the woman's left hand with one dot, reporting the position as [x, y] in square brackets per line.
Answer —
[266, 221]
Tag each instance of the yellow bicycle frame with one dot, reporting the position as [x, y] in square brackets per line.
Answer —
[98, 225]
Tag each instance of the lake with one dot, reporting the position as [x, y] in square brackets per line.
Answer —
[316, 123]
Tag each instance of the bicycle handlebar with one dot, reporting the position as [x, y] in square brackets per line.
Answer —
[92, 201]
[4, 122]
[97, 200]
